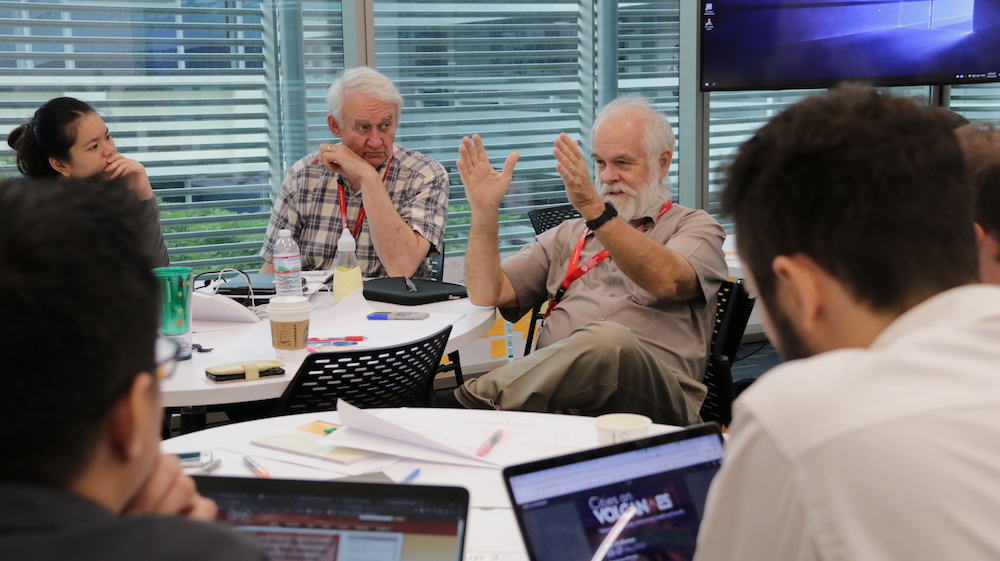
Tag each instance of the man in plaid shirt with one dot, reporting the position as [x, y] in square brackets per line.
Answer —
[395, 199]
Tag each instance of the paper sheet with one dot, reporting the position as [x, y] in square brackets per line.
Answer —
[459, 433]
[374, 463]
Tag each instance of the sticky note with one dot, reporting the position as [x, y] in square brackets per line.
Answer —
[498, 348]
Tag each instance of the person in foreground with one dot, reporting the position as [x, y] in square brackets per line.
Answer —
[67, 138]
[878, 439]
[393, 199]
[82, 475]
[632, 333]
[981, 146]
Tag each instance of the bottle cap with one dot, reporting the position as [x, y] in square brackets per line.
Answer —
[284, 233]
[346, 241]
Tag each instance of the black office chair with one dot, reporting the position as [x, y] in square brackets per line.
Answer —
[543, 219]
[454, 359]
[401, 376]
[731, 316]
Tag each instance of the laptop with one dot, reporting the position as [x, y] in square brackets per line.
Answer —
[565, 506]
[261, 283]
[333, 520]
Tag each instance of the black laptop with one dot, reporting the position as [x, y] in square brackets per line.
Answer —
[261, 283]
[565, 506]
[321, 520]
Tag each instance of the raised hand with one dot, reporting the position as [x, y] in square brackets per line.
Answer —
[573, 169]
[485, 187]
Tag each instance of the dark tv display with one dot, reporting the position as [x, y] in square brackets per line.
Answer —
[785, 44]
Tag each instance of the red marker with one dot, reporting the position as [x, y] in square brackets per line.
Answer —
[330, 339]
[485, 447]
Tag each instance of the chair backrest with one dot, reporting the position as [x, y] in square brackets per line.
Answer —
[732, 312]
[437, 263]
[543, 219]
[398, 376]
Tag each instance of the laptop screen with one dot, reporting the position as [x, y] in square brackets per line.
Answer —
[567, 505]
[337, 521]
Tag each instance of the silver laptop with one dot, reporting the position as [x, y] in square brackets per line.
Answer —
[331, 520]
[566, 506]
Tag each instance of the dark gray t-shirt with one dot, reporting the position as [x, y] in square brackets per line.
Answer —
[49, 524]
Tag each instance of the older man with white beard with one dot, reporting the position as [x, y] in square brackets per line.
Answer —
[631, 286]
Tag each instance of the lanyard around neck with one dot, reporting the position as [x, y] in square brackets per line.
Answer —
[342, 201]
[574, 272]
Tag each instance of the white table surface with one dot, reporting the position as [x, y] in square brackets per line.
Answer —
[492, 534]
[252, 341]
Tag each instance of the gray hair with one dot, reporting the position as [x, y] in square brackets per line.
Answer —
[657, 134]
[361, 79]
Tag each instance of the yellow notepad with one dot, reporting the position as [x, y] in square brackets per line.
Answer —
[305, 440]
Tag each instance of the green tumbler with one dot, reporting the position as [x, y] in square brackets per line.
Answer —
[175, 294]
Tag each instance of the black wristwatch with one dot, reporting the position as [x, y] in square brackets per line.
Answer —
[609, 213]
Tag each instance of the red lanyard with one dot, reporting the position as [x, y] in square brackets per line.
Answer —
[342, 200]
[573, 272]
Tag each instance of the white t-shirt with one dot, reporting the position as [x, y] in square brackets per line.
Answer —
[890, 452]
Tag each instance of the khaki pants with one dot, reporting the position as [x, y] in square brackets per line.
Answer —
[599, 368]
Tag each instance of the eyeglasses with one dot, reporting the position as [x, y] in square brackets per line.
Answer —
[167, 354]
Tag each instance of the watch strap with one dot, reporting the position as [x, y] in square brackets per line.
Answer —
[608, 214]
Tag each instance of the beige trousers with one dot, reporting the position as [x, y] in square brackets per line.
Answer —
[599, 368]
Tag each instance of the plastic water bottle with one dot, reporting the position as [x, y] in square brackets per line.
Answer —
[347, 276]
[287, 265]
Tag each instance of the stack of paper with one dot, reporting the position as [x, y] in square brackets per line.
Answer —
[453, 436]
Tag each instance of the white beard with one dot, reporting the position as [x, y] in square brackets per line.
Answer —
[637, 203]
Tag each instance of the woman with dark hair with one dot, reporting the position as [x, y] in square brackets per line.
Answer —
[67, 137]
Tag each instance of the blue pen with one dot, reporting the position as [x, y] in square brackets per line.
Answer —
[398, 315]
[329, 347]
[411, 476]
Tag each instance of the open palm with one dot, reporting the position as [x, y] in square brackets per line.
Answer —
[485, 187]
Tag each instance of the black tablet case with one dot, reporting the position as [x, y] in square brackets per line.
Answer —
[393, 291]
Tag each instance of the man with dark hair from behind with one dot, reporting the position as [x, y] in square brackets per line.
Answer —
[880, 442]
[82, 476]
[981, 145]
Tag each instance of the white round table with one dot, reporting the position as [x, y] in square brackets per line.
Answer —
[492, 533]
[252, 341]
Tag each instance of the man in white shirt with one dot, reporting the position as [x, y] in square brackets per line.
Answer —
[878, 439]
[981, 145]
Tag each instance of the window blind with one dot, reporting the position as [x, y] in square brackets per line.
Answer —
[192, 89]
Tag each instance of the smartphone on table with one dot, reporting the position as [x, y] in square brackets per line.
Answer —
[195, 459]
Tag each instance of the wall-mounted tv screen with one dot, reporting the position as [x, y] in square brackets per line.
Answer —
[784, 44]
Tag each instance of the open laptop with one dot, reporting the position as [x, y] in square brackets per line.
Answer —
[565, 506]
[343, 521]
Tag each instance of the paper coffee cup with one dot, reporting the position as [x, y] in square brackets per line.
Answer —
[614, 428]
[289, 316]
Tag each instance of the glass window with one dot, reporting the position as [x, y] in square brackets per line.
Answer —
[518, 73]
[735, 116]
[209, 95]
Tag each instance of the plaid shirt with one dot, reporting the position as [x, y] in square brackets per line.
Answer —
[307, 205]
